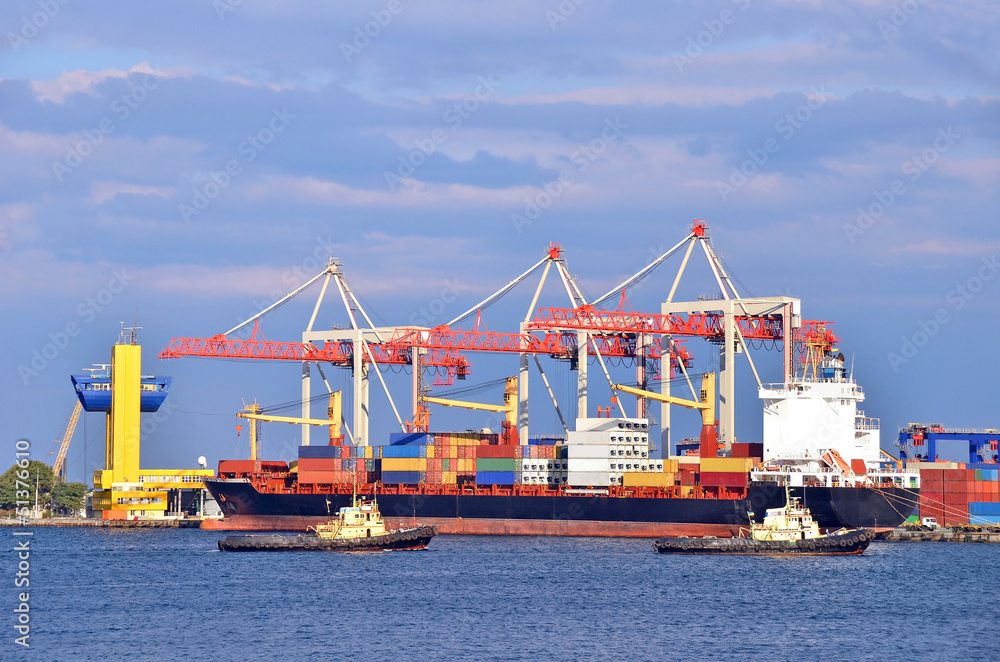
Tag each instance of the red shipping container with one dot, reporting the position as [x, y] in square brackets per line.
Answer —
[239, 466]
[686, 477]
[931, 498]
[954, 475]
[318, 476]
[508, 452]
[320, 464]
[740, 450]
[723, 479]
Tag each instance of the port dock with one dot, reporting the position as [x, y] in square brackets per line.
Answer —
[989, 534]
[155, 523]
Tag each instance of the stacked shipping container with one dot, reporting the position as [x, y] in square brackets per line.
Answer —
[965, 494]
[607, 452]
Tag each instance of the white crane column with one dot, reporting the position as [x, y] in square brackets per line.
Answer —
[306, 394]
[665, 367]
[522, 397]
[727, 378]
[581, 374]
[360, 393]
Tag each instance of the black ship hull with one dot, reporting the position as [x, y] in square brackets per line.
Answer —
[245, 508]
[847, 543]
[415, 538]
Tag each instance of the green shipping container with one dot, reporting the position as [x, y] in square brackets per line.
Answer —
[979, 474]
[496, 464]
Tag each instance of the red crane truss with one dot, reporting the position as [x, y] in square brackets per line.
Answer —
[339, 352]
[696, 324]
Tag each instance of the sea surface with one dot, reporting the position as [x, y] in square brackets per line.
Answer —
[169, 594]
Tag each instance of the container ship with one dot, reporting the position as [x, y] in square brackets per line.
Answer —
[598, 481]
[601, 478]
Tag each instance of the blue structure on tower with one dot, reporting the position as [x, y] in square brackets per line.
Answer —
[918, 442]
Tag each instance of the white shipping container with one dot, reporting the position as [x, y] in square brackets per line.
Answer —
[588, 478]
[588, 464]
[589, 451]
[624, 426]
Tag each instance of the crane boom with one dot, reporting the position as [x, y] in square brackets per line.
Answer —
[462, 403]
[334, 411]
[509, 407]
[286, 419]
[57, 468]
[709, 437]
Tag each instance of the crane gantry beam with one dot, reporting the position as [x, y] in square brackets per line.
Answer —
[618, 321]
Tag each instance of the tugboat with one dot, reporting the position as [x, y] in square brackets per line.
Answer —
[358, 527]
[786, 531]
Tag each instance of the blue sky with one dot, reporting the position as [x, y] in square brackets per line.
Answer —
[842, 152]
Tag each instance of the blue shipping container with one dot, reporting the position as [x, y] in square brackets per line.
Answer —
[319, 451]
[495, 477]
[402, 451]
[984, 508]
[407, 438]
[401, 477]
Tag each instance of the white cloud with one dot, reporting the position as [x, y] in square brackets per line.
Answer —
[81, 80]
[101, 192]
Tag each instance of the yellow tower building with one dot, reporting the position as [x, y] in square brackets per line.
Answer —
[122, 456]
[122, 490]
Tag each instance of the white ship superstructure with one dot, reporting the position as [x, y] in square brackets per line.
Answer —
[814, 433]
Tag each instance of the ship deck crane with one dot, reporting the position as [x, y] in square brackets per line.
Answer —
[60, 463]
[253, 413]
[706, 403]
[508, 408]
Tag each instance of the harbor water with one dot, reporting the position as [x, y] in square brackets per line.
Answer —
[167, 594]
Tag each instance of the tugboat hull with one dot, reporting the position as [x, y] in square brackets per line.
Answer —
[415, 538]
[840, 544]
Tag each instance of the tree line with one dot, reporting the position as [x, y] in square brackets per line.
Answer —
[58, 496]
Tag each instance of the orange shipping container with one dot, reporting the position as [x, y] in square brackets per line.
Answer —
[326, 477]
